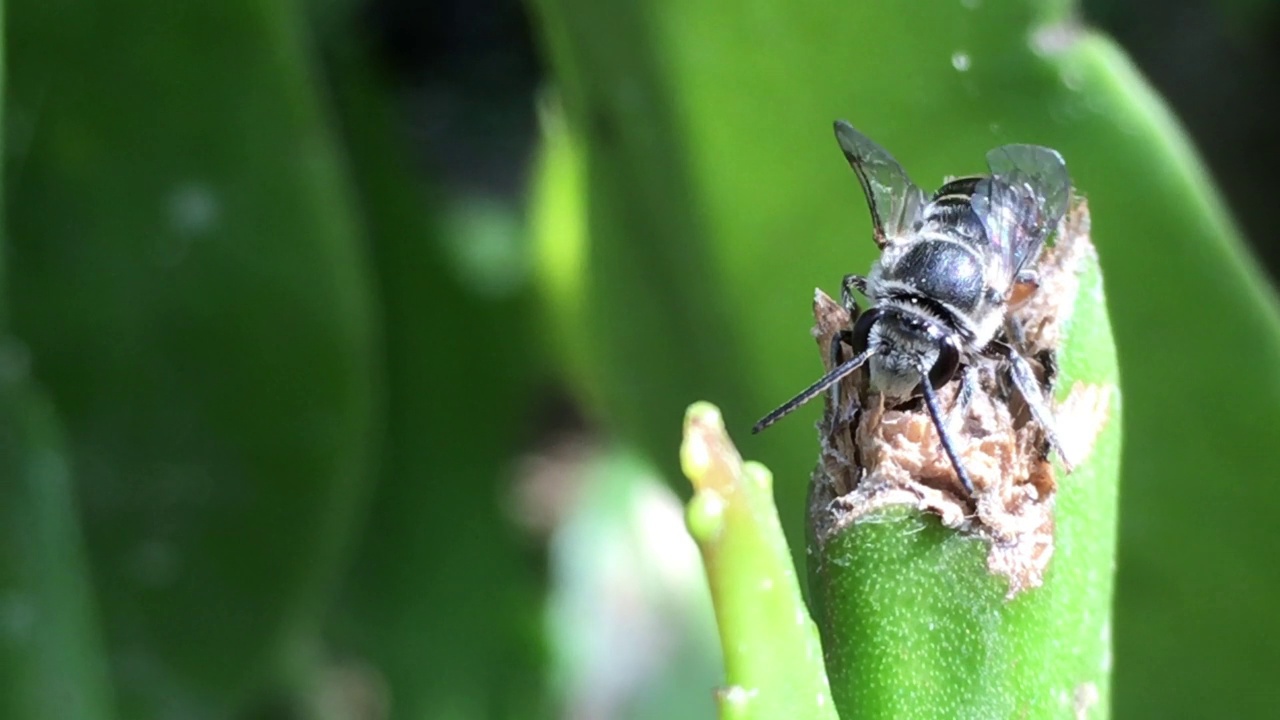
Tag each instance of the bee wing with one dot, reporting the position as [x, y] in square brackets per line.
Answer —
[895, 202]
[1022, 201]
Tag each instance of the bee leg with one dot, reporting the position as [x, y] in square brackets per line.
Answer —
[1025, 284]
[968, 385]
[1049, 361]
[847, 285]
[1024, 378]
[1015, 332]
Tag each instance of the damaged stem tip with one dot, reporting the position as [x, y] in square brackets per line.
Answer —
[875, 457]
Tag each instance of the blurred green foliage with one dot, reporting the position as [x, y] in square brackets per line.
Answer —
[257, 418]
[222, 269]
[186, 267]
[51, 654]
[629, 610]
[436, 597]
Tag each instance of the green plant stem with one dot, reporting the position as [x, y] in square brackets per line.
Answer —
[772, 658]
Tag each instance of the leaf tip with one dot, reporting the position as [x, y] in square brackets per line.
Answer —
[703, 428]
[695, 456]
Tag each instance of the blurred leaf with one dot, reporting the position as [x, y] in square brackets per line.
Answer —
[52, 659]
[437, 598]
[53, 662]
[487, 245]
[558, 202]
[186, 269]
[629, 615]
[648, 284]
[718, 200]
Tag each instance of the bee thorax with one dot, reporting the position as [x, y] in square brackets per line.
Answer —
[947, 272]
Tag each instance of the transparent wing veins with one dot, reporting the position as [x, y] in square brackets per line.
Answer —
[896, 203]
[1023, 201]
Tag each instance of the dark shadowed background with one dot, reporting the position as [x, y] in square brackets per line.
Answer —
[469, 71]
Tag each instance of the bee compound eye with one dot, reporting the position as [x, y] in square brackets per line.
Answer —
[945, 367]
[862, 329]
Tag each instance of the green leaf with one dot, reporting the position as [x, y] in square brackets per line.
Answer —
[52, 659]
[558, 232]
[437, 598]
[717, 201]
[188, 273]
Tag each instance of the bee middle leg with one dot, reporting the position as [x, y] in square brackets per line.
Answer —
[969, 383]
[1036, 397]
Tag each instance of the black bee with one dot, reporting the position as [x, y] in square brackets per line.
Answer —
[948, 267]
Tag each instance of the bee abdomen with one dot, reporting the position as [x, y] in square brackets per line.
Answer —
[961, 188]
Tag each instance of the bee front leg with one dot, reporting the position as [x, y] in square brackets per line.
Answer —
[1025, 284]
[850, 301]
[848, 284]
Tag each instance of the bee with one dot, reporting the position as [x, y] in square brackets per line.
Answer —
[950, 267]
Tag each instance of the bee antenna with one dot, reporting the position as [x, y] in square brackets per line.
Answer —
[809, 393]
[944, 437]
